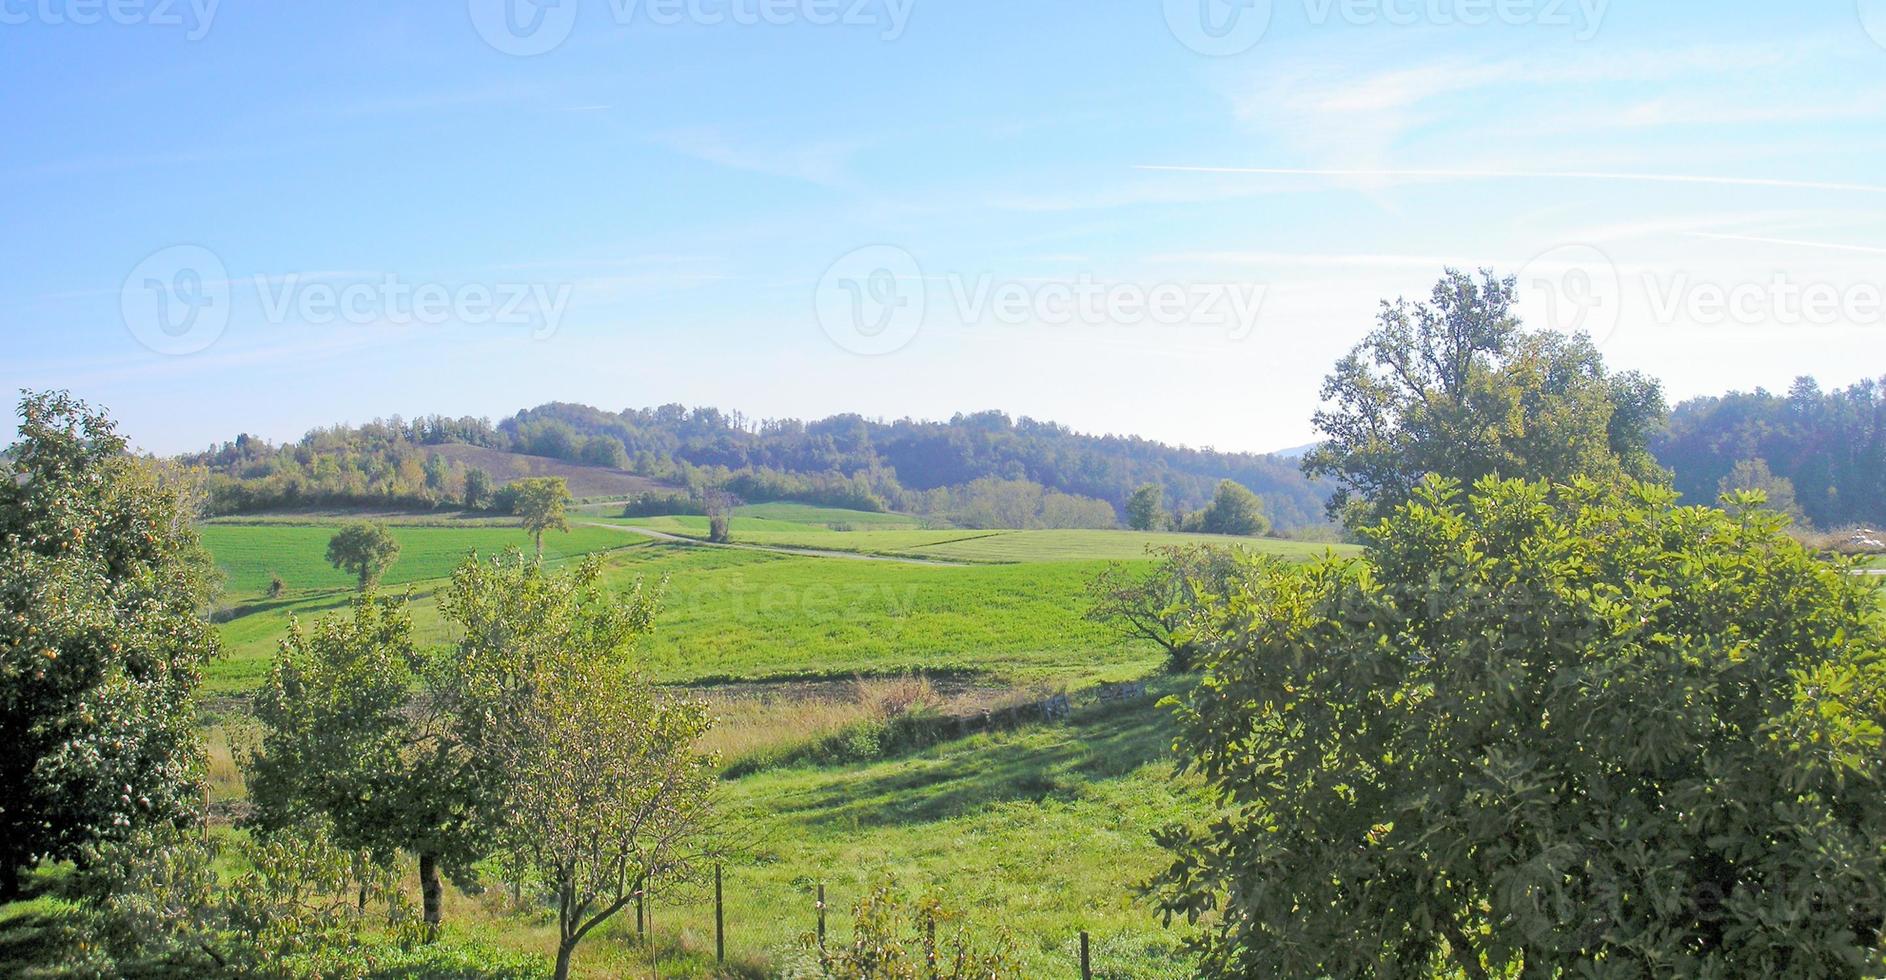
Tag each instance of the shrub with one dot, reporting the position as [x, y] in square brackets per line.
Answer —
[895, 938]
[1545, 731]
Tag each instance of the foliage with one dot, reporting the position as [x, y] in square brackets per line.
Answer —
[1162, 603]
[718, 531]
[299, 910]
[597, 784]
[102, 645]
[1233, 510]
[365, 548]
[1146, 508]
[1559, 731]
[539, 505]
[476, 492]
[895, 938]
[1456, 387]
[340, 742]
[612, 796]
[1830, 446]
[1777, 491]
[990, 502]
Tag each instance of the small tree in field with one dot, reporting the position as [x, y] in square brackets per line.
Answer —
[343, 742]
[540, 506]
[364, 548]
[598, 779]
[1571, 731]
[1145, 509]
[477, 493]
[1161, 604]
[613, 795]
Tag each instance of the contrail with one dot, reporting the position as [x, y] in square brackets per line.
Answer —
[1803, 243]
[1814, 185]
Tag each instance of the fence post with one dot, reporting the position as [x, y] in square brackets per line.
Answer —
[720, 922]
[640, 923]
[1087, 972]
[821, 908]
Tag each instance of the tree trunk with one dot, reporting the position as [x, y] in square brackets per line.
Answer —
[540, 544]
[565, 950]
[431, 893]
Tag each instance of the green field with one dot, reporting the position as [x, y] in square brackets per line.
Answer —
[248, 553]
[1043, 830]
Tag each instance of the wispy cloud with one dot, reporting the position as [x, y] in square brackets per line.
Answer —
[1457, 174]
[1791, 242]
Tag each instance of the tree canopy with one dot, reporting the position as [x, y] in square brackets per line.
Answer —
[540, 503]
[364, 548]
[1559, 731]
[1457, 388]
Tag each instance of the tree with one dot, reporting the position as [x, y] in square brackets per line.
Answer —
[614, 796]
[102, 639]
[540, 504]
[365, 548]
[601, 788]
[1145, 509]
[1547, 731]
[477, 489]
[1234, 510]
[1455, 387]
[1777, 491]
[343, 741]
[1161, 604]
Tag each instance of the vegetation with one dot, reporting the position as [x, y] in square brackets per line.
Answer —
[1829, 445]
[341, 746]
[540, 505]
[1548, 731]
[364, 548]
[1455, 387]
[1233, 510]
[1162, 604]
[102, 640]
[894, 938]
[1146, 508]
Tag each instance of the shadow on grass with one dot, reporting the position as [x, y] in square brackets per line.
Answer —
[1041, 762]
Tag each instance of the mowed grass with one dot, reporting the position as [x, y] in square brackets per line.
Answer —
[248, 553]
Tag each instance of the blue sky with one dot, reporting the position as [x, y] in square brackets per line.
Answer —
[722, 201]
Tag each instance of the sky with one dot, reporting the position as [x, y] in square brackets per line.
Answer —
[1159, 217]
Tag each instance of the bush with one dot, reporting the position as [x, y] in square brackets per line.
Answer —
[1545, 731]
[895, 938]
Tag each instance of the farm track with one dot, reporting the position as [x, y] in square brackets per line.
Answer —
[650, 532]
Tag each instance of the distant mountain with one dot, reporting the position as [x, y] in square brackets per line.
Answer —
[1297, 452]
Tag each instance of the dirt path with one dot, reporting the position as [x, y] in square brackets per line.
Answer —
[649, 532]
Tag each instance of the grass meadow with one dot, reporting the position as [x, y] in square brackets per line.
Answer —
[810, 661]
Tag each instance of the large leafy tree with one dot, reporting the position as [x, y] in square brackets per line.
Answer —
[343, 741]
[1572, 731]
[1456, 387]
[102, 638]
